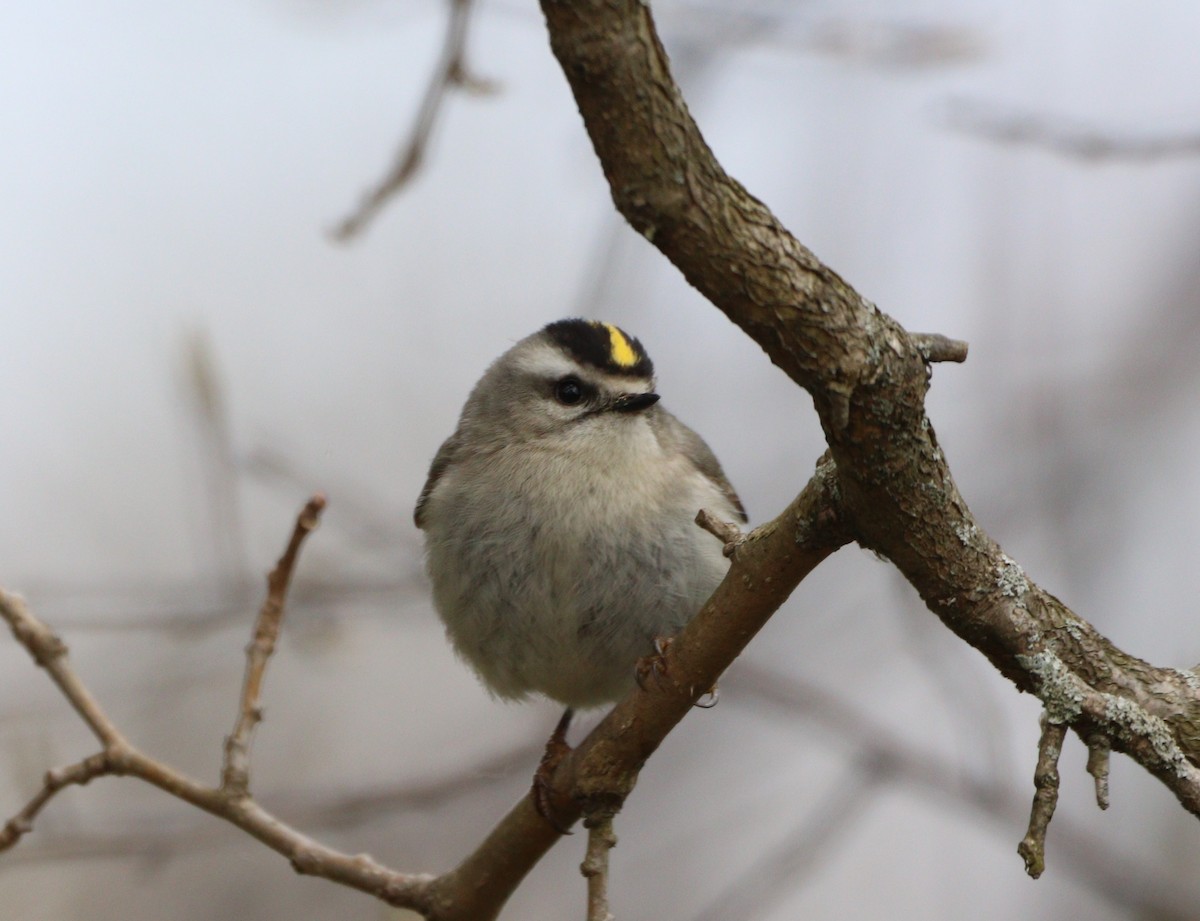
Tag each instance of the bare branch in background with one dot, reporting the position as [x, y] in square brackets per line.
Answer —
[451, 72]
[364, 520]
[893, 44]
[162, 606]
[56, 780]
[235, 773]
[118, 757]
[333, 811]
[206, 393]
[897, 45]
[1061, 135]
[1145, 889]
[783, 868]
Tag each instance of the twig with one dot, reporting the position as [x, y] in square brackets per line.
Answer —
[235, 772]
[119, 757]
[935, 347]
[1045, 778]
[1099, 749]
[44, 645]
[76, 774]
[451, 71]
[594, 868]
[163, 607]
[726, 532]
[1060, 135]
[326, 810]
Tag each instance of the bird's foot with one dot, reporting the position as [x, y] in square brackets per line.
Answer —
[654, 665]
[556, 749]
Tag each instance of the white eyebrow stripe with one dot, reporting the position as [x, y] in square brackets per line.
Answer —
[546, 361]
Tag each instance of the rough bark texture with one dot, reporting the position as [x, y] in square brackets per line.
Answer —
[867, 378]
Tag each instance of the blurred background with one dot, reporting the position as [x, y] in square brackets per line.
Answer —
[188, 354]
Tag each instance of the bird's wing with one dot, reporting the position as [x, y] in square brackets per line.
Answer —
[675, 435]
[443, 459]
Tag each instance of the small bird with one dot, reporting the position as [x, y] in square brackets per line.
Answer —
[559, 518]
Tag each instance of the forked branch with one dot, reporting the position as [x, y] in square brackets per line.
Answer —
[768, 564]
[868, 378]
[229, 801]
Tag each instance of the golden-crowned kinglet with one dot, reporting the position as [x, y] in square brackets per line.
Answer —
[559, 518]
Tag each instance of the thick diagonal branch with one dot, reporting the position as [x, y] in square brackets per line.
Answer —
[868, 378]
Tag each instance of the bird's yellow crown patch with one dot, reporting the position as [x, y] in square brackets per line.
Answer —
[601, 345]
[623, 355]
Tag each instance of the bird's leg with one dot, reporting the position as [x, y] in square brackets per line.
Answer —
[556, 749]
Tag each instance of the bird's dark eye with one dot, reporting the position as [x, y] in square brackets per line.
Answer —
[569, 391]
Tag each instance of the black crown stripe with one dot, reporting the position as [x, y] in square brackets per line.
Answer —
[602, 346]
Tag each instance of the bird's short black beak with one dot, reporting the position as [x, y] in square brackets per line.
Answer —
[634, 402]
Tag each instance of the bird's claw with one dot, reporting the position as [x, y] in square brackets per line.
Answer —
[653, 665]
[709, 698]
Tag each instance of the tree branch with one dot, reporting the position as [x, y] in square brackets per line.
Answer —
[1097, 765]
[235, 772]
[868, 379]
[451, 72]
[120, 758]
[1063, 136]
[935, 347]
[78, 774]
[326, 810]
[595, 778]
[726, 532]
